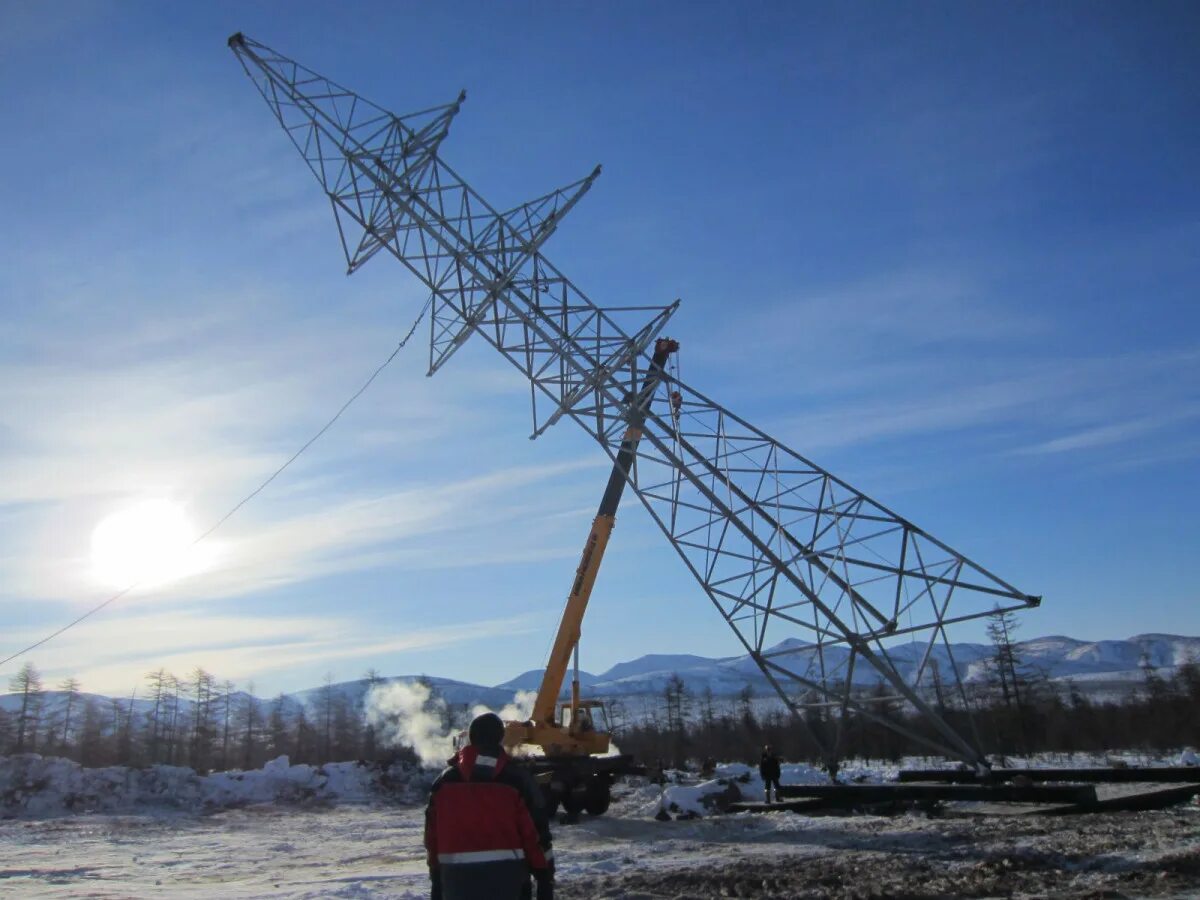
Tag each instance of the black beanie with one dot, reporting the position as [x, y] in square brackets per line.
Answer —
[486, 730]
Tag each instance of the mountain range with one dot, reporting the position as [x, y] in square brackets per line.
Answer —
[1109, 662]
[1093, 666]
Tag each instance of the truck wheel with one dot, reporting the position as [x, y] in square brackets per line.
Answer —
[573, 803]
[549, 802]
[597, 799]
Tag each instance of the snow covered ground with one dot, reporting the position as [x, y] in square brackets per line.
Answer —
[298, 832]
[36, 786]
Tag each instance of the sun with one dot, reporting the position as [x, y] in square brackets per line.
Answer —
[149, 544]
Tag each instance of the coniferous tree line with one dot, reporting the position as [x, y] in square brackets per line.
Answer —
[200, 721]
[1014, 711]
[196, 720]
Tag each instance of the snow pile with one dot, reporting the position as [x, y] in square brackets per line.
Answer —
[863, 773]
[789, 773]
[35, 786]
[682, 797]
[640, 799]
[695, 801]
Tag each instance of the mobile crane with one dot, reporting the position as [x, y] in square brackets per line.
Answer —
[576, 768]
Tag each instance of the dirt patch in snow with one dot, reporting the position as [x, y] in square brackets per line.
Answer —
[1155, 854]
[357, 844]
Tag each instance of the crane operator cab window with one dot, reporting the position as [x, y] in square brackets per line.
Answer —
[590, 717]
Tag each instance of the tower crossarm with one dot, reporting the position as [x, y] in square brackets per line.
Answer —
[483, 267]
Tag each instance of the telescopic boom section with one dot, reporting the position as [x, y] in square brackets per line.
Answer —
[570, 628]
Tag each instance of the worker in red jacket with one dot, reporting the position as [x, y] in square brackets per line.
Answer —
[486, 830]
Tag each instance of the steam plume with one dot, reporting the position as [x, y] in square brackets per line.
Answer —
[408, 712]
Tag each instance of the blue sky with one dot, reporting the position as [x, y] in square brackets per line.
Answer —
[949, 251]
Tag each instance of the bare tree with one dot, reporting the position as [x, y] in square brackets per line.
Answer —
[226, 700]
[251, 717]
[202, 686]
[347, 729]
[91, 734]
[122, 730]
[70, 687]
[1015, 680]
[677, 700]
[370, 740]
[28, 683]
[746, 708]
[325, 716]
[175, 687]
[617, 714]
[160, 688]
[278, 728]
[708, 711]
[1004, 657]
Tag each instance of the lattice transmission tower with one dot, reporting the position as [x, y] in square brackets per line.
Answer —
[842, 603]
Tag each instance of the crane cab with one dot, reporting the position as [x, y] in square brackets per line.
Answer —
[577, 729]
[580, 729]
[585, 723]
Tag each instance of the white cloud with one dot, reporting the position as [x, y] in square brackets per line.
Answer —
[1114, 433]
[113, 654]
[198, 411]
[885, 322]
[1024, 403]
[390, 529]
[312, 534]
[909, 308]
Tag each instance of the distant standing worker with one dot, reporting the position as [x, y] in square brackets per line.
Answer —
[768, 768]
[486, 830]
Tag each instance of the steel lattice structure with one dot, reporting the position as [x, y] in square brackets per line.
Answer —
[816, 579]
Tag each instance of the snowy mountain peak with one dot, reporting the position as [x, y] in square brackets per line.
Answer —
[656, 663]
[532, 681]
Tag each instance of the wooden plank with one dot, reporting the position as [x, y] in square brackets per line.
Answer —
[855, 794]
[1093, 775]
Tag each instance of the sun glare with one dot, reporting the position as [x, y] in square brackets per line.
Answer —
[148, 544]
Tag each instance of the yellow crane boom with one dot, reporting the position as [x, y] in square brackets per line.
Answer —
[575, 734]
